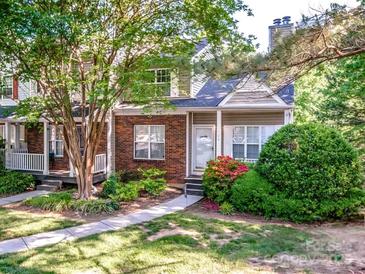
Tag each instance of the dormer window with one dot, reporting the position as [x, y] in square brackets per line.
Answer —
[162, 78]
[7, 87]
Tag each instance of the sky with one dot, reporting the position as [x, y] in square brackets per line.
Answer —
[265, 11]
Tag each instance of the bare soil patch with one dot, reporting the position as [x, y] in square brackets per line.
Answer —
[339, 247]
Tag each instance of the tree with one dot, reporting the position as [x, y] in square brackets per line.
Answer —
[332, 34]
[334, 94]
[87, 54]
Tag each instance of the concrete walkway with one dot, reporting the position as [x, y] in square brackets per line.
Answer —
[21, 197]
[109, 224]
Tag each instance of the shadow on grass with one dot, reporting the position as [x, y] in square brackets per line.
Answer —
[130, 251]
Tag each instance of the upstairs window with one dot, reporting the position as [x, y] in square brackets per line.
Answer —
[7, 87]
[149, 142]
[162, 79]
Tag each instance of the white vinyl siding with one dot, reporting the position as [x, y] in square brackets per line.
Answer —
[245, 142]
[149, 142]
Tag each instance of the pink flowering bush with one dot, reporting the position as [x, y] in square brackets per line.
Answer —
[219, 177]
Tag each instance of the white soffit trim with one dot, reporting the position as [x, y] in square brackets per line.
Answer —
[267, 88]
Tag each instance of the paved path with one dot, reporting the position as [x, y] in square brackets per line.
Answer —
[21, 197]
[109, 224]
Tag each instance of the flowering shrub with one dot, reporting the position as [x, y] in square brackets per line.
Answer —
[219, 177]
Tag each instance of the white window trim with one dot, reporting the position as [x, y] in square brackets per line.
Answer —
[261, 144]
[12, 87]
[53, 141]
[174, 81]
[149, 143]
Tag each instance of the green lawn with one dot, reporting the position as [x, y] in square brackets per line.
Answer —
[177, 243]
[15, 223]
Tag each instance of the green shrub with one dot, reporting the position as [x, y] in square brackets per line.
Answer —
[219, 177]
[12, 182]
[62, 201]
[127, 192]
[126, 176]
[59, 201]
[110, 186]
[152, 173]
[154, 186]
[226, 208]
[95, 206]
[310, 162]
[252, 193]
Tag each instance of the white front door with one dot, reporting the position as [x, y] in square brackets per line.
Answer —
[203, 146]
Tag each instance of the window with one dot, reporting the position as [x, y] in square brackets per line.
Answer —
[7, 87]
[162, 79]
[55, 140]
[149, 142]
[247, 141]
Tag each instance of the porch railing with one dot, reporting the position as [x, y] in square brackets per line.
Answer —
[100, 163]
[24, 161]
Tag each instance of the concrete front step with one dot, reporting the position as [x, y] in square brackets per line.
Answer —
[196, 192]
[57, 183]
[51, 188]
[194, 186]
[193, 180]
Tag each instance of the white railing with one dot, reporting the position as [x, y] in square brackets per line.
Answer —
[100, 163]
[24, 161]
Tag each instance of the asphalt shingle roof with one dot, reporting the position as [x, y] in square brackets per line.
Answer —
[210, 95]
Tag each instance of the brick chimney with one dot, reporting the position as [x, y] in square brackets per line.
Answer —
[281, 28]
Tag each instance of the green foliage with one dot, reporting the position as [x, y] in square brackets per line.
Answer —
[12, 182]
[250, 192]
[110, 186]
[219, 177]
[254, 194]
[94, 206]
[334, 94]
[154, 186]
[128, 175]
[62, 201]
[127, 192]
[310, 161]
[226, 208]
[153, 181]
[152, 173]
[59, 201]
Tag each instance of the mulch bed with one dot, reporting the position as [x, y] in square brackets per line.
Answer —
[140, 203]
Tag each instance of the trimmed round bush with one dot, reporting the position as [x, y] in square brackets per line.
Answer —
[310, 161]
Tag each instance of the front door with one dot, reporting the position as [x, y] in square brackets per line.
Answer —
[203, 142]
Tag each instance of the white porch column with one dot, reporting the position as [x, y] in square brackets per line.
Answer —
[288, 116]
[187, 149]
[219, 133]
[45, 149]
[110, 161]
[8, 135]
[17, 136]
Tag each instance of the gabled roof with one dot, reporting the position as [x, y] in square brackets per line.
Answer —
[287, 94]
[210, 95]
[7, 111]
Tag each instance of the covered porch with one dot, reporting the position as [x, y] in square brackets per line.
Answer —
[40, 152]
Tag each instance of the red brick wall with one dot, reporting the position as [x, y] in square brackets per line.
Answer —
[175, 144]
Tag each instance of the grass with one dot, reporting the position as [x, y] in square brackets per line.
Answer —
[15, 223]
[211, 246]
